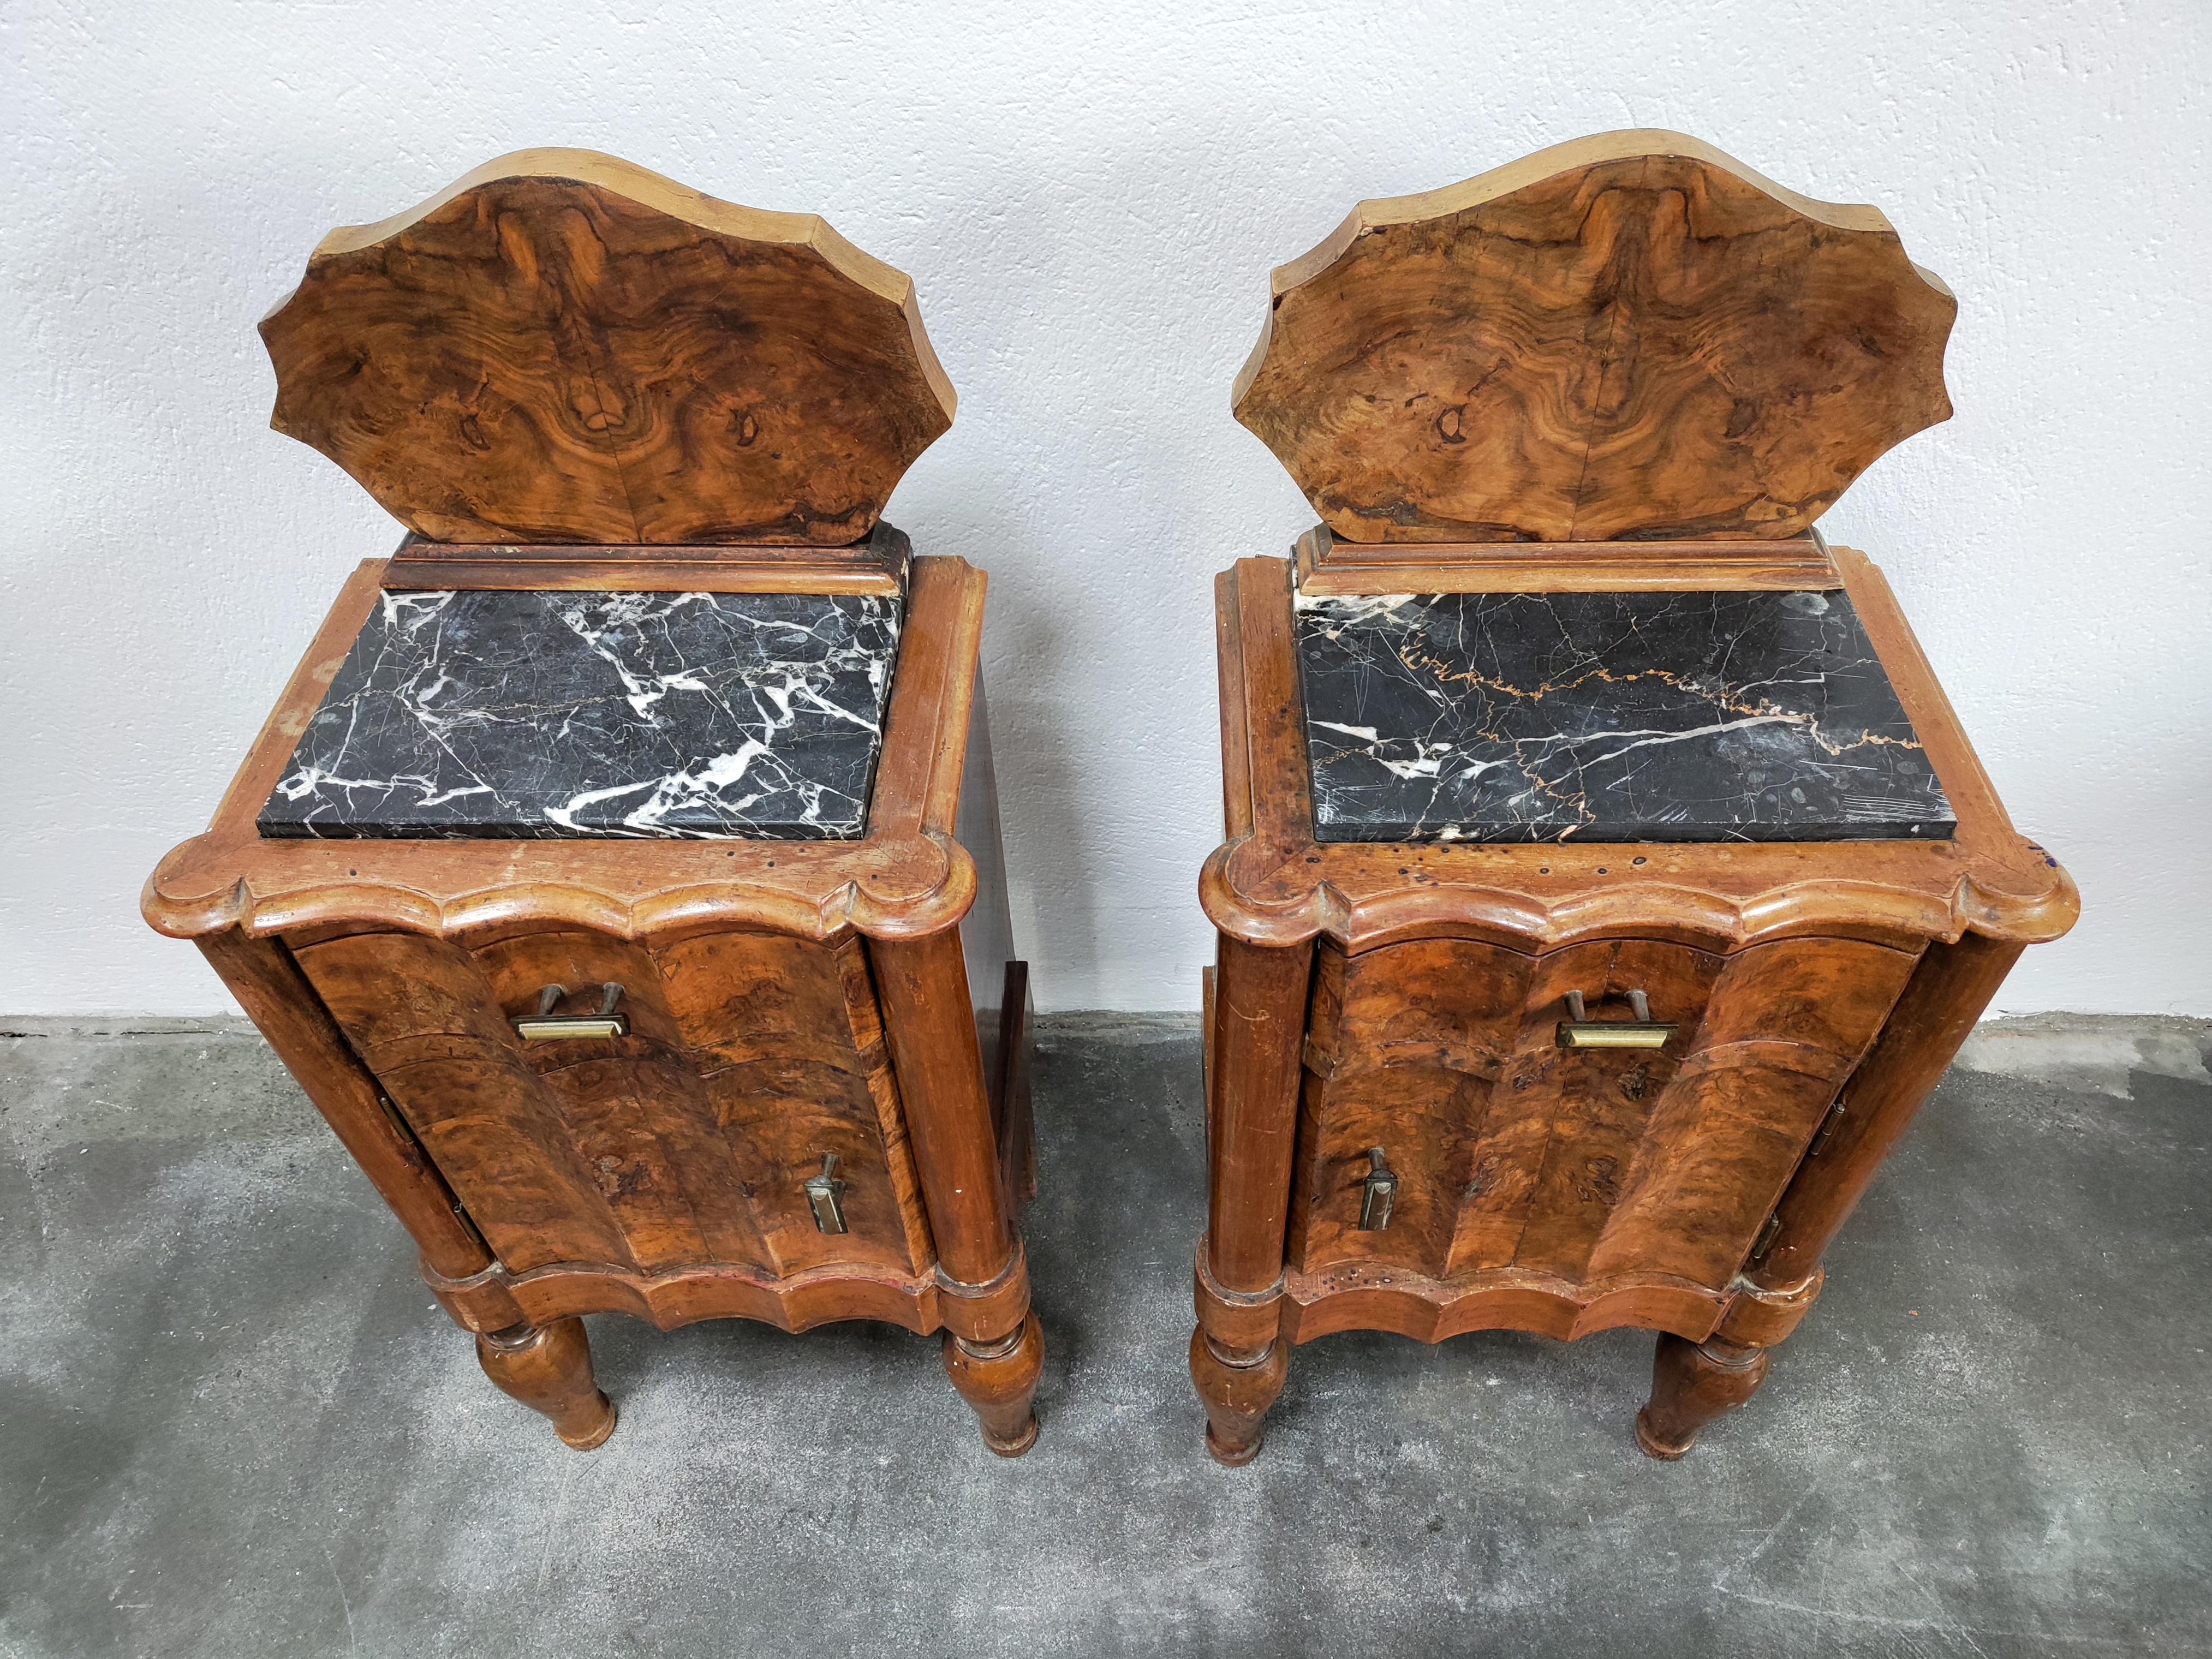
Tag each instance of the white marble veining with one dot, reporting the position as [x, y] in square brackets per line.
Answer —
[495, 712]
[1649, 716]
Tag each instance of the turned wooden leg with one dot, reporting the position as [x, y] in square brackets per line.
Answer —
[1255, 1028]
[999, 1380]
[994, 1349]
[1238, 1386]
[1692, 1383]
[549, 1369]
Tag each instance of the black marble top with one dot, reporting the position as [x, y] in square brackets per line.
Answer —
[513, 714]
[1606, 717]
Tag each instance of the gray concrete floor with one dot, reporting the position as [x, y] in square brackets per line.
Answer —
[234, 1422]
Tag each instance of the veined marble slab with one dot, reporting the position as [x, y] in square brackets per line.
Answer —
[501, 714]
[1525, 717]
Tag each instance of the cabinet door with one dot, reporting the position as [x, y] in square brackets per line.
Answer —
[686, 1142]
[1510, 1151]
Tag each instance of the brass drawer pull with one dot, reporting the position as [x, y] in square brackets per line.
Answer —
[826, 1193]
[1377, 1193]
[546, 1026]
[1581, 1032]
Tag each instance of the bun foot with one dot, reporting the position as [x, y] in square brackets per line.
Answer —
[1692, 1383]
[1236, 1386]
[549, 1369]
[999, 1379]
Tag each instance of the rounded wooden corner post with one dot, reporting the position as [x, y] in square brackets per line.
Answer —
[268, 985]
[994, 1346]
[1239, 1361]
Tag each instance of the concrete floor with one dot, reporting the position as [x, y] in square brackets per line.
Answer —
[235, 1425]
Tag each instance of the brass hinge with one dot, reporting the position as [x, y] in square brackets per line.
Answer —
[468, 1225]
[1764, 1242]
[1827, 1128]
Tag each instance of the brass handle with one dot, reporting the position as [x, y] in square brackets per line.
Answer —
[1377, 1193]
[1580, 1031]
[546, 1026]
[826, 1194]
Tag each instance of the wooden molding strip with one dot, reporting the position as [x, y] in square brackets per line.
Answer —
[1327, 567]
[1377, 1298]
[878, 565]
[639, 577]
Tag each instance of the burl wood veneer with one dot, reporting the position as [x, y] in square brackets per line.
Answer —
[658, 1059]
[1495, 1072]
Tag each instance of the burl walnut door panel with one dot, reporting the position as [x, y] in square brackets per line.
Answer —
[1585, 1163]
[686, 1142]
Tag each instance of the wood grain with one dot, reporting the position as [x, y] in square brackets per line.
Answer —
[562, 347]
[908, 876]
[1321, 565]
[878, 566]
[549, 1369]
[1691, 1384]
[1562, 1191]
[1270, 884]
[1631, 336]
[660, 1172]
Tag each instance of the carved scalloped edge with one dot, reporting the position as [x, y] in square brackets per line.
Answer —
[1380, 214]
[685, 909]
[1381, 1298]
[1631, 909]
[799, 1301]
[660, 194]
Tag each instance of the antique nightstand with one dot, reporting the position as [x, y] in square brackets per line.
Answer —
[620, 872]
[1608, 880]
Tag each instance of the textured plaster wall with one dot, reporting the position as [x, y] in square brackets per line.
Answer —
[1089, 199]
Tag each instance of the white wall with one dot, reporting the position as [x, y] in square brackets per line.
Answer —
[1089, 199]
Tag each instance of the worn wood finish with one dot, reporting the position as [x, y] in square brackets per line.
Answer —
[549, 1369]
[562, 347]
[1691, 1384]
[1323, 566]
[999, 1380]
[1272, 884]
[662, 1172]
[1254, 1030]
[750, 1057]
[1631, 336]
[269, 985]
[1949, 991]
[1237, 1387]
[877, 566]
[1566, 1191]
[908, 875]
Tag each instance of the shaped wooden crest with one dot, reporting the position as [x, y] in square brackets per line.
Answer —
[1629, 337]
[565, 348]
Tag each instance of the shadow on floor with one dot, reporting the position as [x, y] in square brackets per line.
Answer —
[236, 1425]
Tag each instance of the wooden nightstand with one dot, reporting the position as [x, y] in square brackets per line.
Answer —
[1608, 880]
[620, 874]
